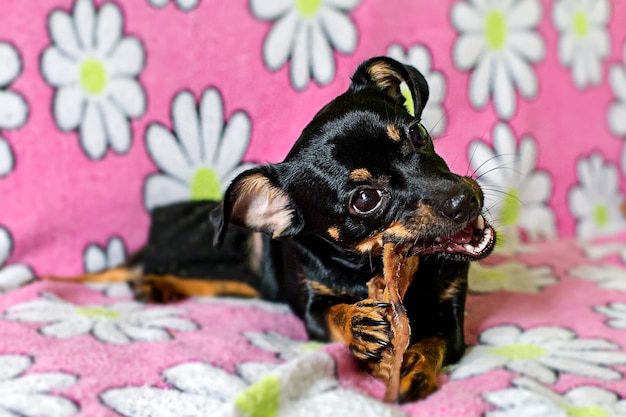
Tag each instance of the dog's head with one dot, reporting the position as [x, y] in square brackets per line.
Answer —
[364, 172]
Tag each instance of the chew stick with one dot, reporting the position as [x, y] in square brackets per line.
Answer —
[398, 270]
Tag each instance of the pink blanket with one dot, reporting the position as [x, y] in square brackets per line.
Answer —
[109, 108]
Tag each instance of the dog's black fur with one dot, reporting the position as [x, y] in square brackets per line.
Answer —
[363, 171]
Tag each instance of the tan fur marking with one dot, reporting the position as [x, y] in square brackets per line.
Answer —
[360, 174]
[121, 274]
[333, 232]
[384, 76]
[201, 288]
[260, 205]
[319, 288]
[374, 244]
[451, 291]
[393, 132]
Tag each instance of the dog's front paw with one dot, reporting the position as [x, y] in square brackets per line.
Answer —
[371, 329]
[418, 378]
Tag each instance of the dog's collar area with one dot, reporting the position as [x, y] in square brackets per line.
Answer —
[475, 241]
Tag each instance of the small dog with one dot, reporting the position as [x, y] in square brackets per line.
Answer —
[309, 231]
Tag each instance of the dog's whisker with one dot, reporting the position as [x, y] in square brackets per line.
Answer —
[491, 159]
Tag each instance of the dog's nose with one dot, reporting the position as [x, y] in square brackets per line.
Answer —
[461, 206]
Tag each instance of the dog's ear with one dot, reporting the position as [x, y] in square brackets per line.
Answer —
[403, 83]
[254, 200]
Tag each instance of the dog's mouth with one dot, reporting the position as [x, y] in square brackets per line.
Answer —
[475, 241]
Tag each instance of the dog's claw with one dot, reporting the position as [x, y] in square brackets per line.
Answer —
[371, 330]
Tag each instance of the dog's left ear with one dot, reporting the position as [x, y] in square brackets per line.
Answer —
[403, 83]
[256, 201]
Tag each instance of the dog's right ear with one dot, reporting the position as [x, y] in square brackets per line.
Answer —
[256, 201]
[402, 83]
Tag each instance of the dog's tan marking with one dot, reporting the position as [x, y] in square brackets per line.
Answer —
[262, 206]
[453, 289]
[393, 132]
[374, 244]
[333, 232]
[319, 288]
[121, 274]
[360, 175]
[169, 288]
[384, 76]
[420, 367]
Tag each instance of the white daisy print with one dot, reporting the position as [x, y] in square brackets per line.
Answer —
[14, 275]
[301, 387]
[31, 394]
[94, 69]
[97, 259]
[602, 250]
[118, 323]
[607, 277]
[184, 5]
[540, 353]
[256, 303]
[13, 107]
[616, 312]
[617, 109]
[584, 41]
[596, 201]
[418, 56]
[285, 347]
[509, 276]
[516, 193]
[498, 42]
[529, 398]
[306, 32]
[200, 158]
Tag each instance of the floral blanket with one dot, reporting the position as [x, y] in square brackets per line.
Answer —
[109, 108]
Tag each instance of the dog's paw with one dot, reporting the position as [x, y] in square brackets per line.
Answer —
[418, 378]
[153, 289]
[371, 330]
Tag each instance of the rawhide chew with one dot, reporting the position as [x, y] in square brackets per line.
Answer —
[398, 270]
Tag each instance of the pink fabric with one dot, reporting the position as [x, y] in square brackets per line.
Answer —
[75, 194]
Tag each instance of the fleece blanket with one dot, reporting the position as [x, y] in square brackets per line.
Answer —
[546, 328]
[110, 108]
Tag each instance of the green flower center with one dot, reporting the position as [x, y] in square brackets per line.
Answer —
[519, 351]
[98, 312]
[308, 8]
[495, 29]
[511, 207]
[585, 411]
[260, 399]
[601, 215]
[491, 276]
[581, 24]
[205, 185]
[93, 76]
[312, 346]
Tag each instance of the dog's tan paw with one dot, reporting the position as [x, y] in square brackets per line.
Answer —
[418, 378]
[371, 330]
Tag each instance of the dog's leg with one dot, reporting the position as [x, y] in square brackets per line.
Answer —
[121, 274]
[168, 288]
[421, 365]
[163, 288]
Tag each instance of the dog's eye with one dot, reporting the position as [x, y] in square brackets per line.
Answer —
[419, 135]
[367, 201]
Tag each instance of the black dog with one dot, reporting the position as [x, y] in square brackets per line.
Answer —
[362, 171]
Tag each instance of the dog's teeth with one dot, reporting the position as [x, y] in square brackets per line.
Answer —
[437, 239]
[469, 248]
[480, 222]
